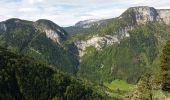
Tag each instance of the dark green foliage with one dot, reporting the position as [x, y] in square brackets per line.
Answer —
[24, 78]
[17, 39]
[45, 49]
[165, 67]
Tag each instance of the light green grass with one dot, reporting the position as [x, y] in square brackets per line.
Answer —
[119, 84]
[119, 88]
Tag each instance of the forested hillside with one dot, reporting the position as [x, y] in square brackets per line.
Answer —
[24, 78]
[41, 40]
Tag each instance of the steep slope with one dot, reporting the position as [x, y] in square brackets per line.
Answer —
[42, 40]
[53, 31]
[24, 78]
[126, 47]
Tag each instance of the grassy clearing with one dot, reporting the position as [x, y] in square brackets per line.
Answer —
[119, 84]
[118, 88]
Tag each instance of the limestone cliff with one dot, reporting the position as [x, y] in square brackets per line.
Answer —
[164, 15]
[134, 16]
[53, 31]
[100, 42]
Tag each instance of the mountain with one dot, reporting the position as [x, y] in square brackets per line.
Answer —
[101, 50]
[110, 55]
[25, 78]
[89, 23]
[86, 26]
[42, 40]
[53, 31]
[98, 50]
[124, 48]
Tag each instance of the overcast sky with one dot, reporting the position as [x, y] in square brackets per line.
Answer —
[68, 12]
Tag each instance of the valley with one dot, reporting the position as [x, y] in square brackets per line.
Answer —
[122, 58]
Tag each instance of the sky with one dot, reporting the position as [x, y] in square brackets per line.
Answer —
[68, 12]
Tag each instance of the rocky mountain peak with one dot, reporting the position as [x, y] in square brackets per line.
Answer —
[145, 14]
[52, 30]
[17, 21]
[86, 23]
[131, 17]
[14, 22]
[164, 15]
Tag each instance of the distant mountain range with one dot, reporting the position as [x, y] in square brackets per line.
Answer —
[98, 50]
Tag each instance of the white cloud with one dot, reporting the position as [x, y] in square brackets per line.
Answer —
[68, 12]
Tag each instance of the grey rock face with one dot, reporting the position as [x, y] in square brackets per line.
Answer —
[164, 15]
[144, 14]
[86, 23]
[95, 23]
[52, 31]
[97, 42]
[100, 42]
[3, 27]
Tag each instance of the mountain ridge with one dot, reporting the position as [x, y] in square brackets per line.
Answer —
[112, 35]
[137, 32]
[136, 15]
[42, 39]
[85, 22]
[124, 50]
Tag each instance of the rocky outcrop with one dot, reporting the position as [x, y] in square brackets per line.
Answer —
[97, 42]
[164, 15]
[91, 23]
[52, 31]
[86, 23]
[100, 42]
[52, 35]
[3, 27]
[122, 32]
[145, 14]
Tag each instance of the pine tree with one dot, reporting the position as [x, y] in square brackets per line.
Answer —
[165, 68]
[144, 89]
